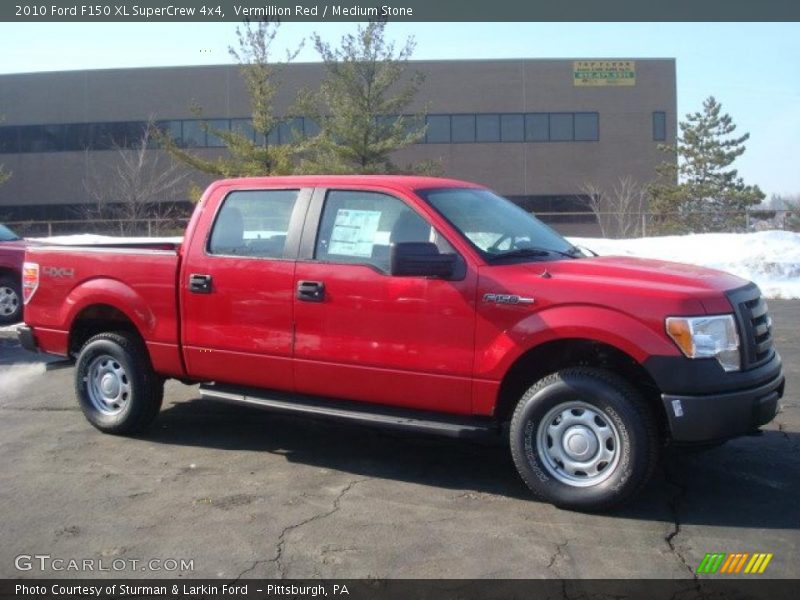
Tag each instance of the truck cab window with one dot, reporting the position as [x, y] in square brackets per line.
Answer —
[253, 223]
[359, 227]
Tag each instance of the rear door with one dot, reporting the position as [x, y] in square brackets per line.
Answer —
[362, 334]
[238, 288]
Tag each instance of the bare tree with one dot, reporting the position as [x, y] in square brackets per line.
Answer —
[618, 211]
[141, 183]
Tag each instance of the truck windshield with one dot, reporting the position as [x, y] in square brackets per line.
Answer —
[6, 235]
[498, 228]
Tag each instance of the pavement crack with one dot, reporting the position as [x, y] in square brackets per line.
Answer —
[674, 504]
[557, 555]
[277, 559]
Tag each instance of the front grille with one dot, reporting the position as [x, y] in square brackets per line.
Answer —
[754, 323]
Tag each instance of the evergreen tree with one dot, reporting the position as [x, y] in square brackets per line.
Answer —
[701, 191]
[362, 104]
[250, 150]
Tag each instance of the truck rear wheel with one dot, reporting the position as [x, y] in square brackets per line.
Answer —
[583, 439]
[116, 386]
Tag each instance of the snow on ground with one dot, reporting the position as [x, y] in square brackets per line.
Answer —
[770, 258]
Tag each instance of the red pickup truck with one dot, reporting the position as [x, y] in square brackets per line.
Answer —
[420, 303]
[12, 254]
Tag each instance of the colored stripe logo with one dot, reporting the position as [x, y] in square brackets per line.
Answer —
[734, 563]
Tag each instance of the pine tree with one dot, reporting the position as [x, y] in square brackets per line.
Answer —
[701, 191]
[249, 152]
[362, 104]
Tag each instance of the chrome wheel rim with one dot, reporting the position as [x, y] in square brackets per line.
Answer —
[578, 444]
[9, 301]
[107, 385]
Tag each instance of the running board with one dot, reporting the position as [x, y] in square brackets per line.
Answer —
[359, 412]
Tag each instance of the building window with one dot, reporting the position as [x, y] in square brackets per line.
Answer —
[659, 126]
[586, 127]
[463, 128]
[214, 141]
[512, 128]
[198, 133]
[537, 127]
[438, 129]
[561, 127]
[194, 136]
[487, 128]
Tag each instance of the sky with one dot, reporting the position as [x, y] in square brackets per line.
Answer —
[753, 69]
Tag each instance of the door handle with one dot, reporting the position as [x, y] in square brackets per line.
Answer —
[200, 284]
[311, 291]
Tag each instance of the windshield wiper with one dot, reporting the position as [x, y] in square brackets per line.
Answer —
[528, 251]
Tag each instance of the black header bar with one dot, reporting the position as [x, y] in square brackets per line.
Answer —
[399, 10]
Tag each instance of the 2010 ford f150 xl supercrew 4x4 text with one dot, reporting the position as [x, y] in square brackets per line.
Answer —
[414, 302]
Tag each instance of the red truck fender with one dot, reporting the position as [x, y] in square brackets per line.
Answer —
[113, 293]
[586, 322]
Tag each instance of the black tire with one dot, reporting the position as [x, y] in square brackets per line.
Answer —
[615, 412]
[10, 300]
[117, 389]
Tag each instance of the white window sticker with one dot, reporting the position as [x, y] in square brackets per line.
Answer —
[354, 232]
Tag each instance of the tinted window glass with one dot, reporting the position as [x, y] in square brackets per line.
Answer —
[220, 124]
[512, 128]
[586, 127]
[310, 127]
[79, 136]
[6, 235]
[537, 127]
[253, 223]
[493, 224]
[245, 127]
[358, 227]
[9, 139]
[193, 134]
[561, 127]
[659, 126]
[487, 128]
[291, 130]
[463, 128]
[438, 129]
[42, 138]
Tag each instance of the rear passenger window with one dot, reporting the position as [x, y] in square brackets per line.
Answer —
[358, 227]
[253, 223]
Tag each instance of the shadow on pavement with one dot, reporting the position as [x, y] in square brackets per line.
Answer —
[749, 482]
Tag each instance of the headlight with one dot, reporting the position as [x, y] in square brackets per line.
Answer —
[707, 337]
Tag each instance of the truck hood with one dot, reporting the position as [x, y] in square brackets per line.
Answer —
[638, 277]
[646, 272]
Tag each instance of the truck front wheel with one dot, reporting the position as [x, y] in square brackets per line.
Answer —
[583, 439]
[116, 386]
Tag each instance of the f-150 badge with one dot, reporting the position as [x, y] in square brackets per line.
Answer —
[507, 299]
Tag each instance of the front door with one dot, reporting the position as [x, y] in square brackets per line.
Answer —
[362, 334]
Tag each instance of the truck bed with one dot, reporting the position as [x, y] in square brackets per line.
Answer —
[78, 282]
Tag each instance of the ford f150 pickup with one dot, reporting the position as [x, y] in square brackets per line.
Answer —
[420, 303]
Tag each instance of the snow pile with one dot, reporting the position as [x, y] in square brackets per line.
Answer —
[770, 258]
[87, 239]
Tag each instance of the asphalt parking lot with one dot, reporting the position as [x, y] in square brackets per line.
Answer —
[244, 493]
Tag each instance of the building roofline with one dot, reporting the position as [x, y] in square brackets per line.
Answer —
[319, 63]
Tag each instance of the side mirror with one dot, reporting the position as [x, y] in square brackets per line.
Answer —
[421, 259]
